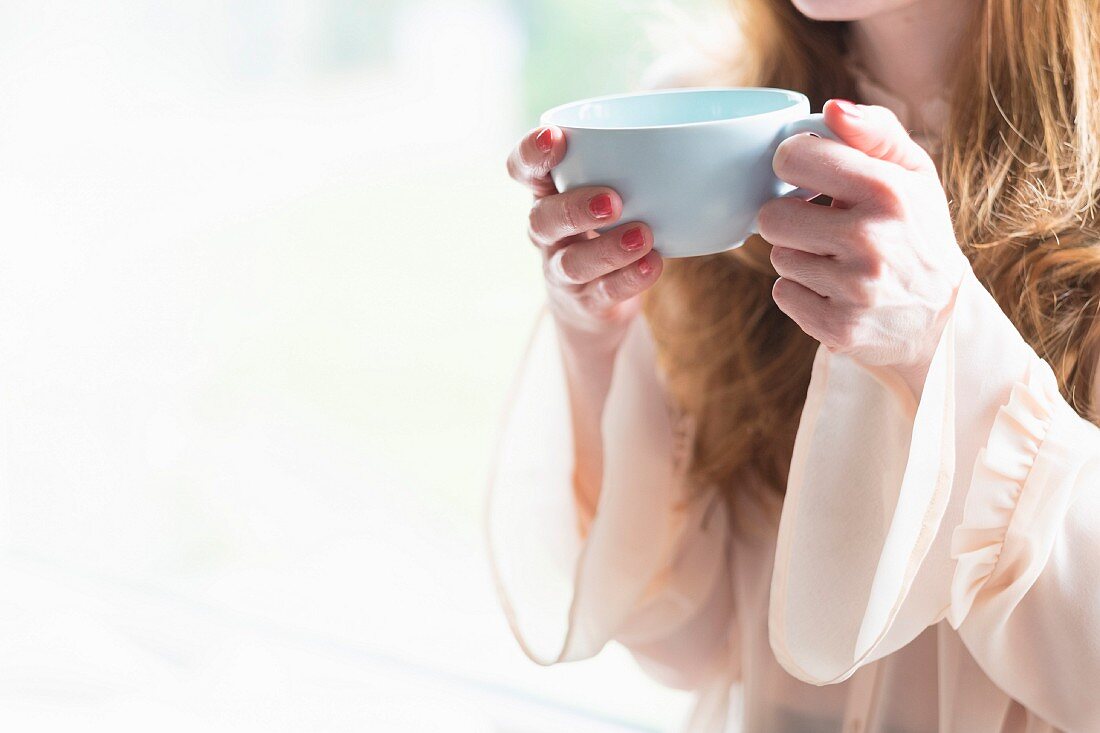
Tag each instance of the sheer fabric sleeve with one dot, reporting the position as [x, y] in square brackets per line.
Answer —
[976, 504]
[645, 567]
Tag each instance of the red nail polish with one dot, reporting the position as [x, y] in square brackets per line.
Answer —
[633, 239]
[848, 107]
[545, 140]
[600, 206]
[645, 266]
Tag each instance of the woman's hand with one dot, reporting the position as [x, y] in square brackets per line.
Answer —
[593, 280]
[875, 275]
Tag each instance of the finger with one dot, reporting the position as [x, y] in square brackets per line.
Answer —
[797, 224]
[581, 262]
[564, 214]
[822, 275]
[832, 168]
[805, 307]
[534, 155]
[877, 132]
[624, 283]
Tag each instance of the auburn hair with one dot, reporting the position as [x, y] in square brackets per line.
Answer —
[1020, 163]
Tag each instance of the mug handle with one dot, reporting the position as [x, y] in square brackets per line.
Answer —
[814, 123]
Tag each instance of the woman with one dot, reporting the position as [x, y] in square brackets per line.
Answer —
[849, 468]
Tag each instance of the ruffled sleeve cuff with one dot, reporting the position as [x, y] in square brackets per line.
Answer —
[862, 565]
[645, 558]
[1023, 482]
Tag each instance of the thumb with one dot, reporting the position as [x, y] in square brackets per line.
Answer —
[877, 132]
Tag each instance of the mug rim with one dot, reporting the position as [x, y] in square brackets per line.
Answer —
[795, 99]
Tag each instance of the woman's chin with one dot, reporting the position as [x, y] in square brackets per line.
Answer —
[846, 9]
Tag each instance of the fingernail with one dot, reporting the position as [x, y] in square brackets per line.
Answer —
[645, 266]
[849, 108]
[632, 240]
[600, 206]
[545, 140]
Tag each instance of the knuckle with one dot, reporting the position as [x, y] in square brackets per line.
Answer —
[587, 301]
[585, 297]
[607, 291]
[537, 239]
[767, 218]
[863, 235]
[887, 193]
[780, 258]
[790, 151]
[553, 269]
[535, 225]
[779, 293]
[863, 254]
[863, 292]
[630, 281]
[867, 265]
[883, 148]
[548, 270]
[886, 188]
[568, 268]
[781, 160]
[569, 214]
[608, 255]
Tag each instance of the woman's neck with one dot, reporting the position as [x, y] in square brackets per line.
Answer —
[909, 50]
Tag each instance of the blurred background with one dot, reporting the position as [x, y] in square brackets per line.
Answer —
[264, 285]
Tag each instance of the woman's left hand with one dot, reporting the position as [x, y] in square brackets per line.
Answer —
[874, 276]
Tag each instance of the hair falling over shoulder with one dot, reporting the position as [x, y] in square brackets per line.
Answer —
[1021, 168]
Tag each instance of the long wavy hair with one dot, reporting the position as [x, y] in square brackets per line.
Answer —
[1021, 168]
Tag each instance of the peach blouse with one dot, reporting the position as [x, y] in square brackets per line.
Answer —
[936, 565]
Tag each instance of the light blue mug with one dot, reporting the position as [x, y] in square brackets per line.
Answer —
[694, 164]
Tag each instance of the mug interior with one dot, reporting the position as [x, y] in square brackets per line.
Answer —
[671, 107]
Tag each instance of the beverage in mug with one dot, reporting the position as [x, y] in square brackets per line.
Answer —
[694, 164]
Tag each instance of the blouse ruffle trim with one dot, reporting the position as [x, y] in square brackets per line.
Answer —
[1000, 473]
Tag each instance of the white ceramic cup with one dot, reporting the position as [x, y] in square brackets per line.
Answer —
[694, 164]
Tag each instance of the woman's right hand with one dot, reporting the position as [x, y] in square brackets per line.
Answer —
[593, 280]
